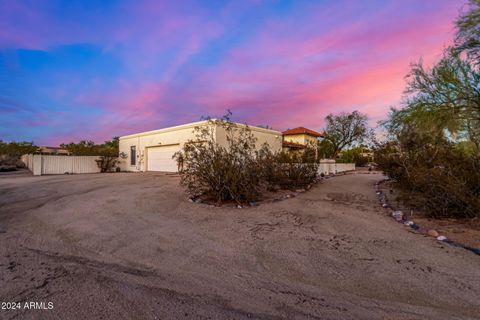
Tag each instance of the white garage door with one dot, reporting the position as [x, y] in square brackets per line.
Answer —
[160, 158]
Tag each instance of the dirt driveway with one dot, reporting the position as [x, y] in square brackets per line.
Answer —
[129, 246]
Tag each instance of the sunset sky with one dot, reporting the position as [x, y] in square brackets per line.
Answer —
[72, 70]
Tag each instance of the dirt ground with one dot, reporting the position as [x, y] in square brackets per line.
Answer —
[129, 246]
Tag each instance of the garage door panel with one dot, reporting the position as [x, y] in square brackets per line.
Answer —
[160, 158]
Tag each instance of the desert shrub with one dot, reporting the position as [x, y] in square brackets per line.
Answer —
[437, 180]
[107, 163]
[434, 153]
[108, 155]
[218, 172]
[239, 171]
[10, 152]
[287, 170]
[354, 155]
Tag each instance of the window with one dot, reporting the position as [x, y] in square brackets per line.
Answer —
[133, 155]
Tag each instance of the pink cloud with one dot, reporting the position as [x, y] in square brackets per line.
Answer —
[287, 70]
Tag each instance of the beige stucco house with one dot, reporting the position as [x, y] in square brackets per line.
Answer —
[297, 138]
[53, 151]
[153, 150]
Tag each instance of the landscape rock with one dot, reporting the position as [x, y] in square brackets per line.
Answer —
[397, 215]
[414, 226]
[433, 233]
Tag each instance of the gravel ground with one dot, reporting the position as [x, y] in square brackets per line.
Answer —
[129, 246]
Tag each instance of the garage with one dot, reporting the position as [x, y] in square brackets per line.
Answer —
[160, 158]
[153, 150]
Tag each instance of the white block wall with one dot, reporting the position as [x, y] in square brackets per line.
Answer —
[46, 164]
[329, 166]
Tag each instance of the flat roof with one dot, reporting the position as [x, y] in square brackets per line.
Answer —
[193, 125]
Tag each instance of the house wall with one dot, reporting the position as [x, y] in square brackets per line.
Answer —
[310, 139]
[296, 138]
[171, 136]
[301, 138]
[271, 137]
[179, 135]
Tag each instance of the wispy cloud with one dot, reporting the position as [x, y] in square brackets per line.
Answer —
[95, 70]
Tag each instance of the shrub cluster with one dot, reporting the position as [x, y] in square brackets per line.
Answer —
[434, 152]
[237, 170]
[287, 170]
[10, 153]
[438, 181]
[354, 155]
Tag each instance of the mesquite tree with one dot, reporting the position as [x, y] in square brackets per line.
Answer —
[345, 129]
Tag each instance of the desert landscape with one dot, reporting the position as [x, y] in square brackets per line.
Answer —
[130, 246]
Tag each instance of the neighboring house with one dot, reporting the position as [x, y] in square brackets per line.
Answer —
[53, 151]
[153, 150]
[297, 138]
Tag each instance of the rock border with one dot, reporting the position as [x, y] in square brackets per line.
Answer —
[398, 216]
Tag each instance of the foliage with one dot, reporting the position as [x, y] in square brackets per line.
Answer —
[83, 148]
[354, 155]
[325, 149]
[436, 179]
[217, 172]
[286, 170]
[345, 129]
[106, 163]
[107, 152]
[442, 100]
[434, 151]
[468, 35]
[10, 152]
[17, 149]
[89, 148]
[237, 171]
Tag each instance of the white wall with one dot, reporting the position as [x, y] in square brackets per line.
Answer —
[329, 166]
[343, 167]
[49, 164]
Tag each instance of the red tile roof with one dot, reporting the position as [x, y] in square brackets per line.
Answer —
[302, 130]
[293, 145]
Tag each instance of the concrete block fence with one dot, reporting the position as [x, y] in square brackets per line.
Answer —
[48, 164]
